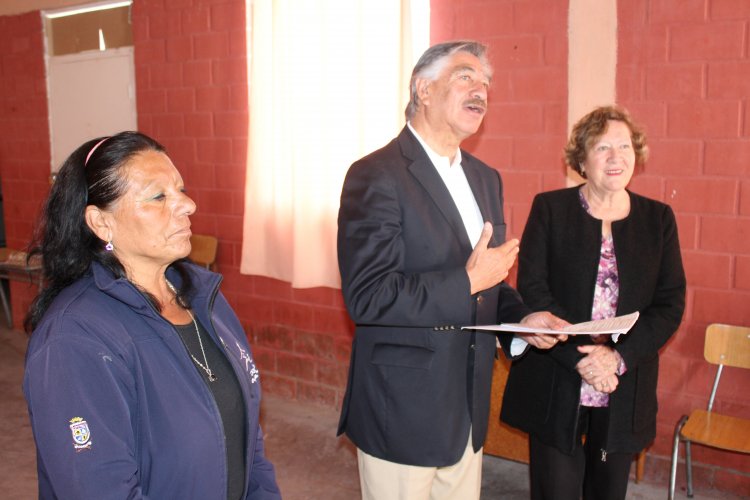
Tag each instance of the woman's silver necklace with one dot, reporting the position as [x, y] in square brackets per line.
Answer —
[204, 367]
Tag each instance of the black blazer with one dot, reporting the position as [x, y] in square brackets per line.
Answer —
[557, 269]
[417, 382]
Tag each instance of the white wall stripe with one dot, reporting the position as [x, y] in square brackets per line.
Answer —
[592, 58]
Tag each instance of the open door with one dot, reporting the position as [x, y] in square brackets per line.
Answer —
[90, 74]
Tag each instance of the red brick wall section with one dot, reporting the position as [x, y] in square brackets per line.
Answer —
[192, 95]
[683, 71]
[24, 137]
[524, 131]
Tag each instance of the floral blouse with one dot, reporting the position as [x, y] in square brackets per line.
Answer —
[606, 292]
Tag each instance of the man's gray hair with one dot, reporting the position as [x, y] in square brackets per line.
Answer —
[432, 62]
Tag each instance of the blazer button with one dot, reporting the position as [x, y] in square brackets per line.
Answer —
[480, 299]
[473, 347]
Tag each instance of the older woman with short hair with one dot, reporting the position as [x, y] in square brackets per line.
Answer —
[595, 251]
[139, 379]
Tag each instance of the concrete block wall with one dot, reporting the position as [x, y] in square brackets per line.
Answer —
[683, 71]
[192, 95]
[24, 137]
[524, 131]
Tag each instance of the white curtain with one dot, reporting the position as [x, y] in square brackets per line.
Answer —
[328, 84]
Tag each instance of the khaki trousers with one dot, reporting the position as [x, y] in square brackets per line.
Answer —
[384, 480]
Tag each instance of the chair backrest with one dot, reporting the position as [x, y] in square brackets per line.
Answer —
[727, 345]
[203, 251]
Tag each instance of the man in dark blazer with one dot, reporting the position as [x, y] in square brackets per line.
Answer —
[422, 253]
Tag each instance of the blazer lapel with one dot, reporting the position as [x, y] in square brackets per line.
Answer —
[486, 198]
[474, 177]
[424, 171]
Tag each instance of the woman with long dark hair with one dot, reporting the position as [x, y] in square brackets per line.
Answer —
[139, 379]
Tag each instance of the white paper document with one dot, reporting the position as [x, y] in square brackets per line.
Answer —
[617, 325]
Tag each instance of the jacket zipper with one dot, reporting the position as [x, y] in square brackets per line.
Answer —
[249, 447]
[204, 387]
[576, 432]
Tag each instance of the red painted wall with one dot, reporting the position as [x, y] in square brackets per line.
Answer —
[525, 128]
[24, 137]
[192, 95]
[683, 70]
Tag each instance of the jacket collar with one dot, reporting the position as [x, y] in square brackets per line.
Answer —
[206, 283]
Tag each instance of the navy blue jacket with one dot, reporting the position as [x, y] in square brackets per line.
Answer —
[117, 407]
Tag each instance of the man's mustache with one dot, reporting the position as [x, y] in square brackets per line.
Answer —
[477, 102]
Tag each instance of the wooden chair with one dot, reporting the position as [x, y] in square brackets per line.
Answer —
[725, 345]
[3, 298]
[640, 466]
[203, 250]
[15, 266]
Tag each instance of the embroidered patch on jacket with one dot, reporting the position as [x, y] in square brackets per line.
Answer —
[250, 368]
[81, 434]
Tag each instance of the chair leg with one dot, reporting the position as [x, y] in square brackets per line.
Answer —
[640, 465]
[6, 306]
[675, 455]
[689, 469]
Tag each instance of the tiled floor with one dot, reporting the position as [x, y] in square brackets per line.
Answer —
[311, 462]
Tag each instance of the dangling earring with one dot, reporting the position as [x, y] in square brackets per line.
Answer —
[109, 246]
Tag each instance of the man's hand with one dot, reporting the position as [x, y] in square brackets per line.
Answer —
[546, 320]
[599, 367]
[486, 266]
